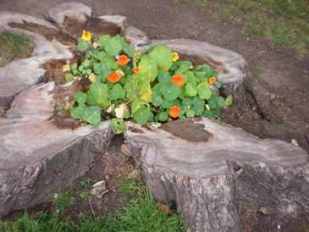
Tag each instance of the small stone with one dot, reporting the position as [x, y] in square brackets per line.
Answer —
[119, 20]
[125, 150]
[99, 189]
[136, 37]
[272, 96]
[264, 210]
[294, 142]
[135, 174]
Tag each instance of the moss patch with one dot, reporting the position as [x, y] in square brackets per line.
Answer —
[13, 46]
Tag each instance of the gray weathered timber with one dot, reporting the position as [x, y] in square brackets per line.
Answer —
[38, 159]
[76, 10]
[23, 73]
[213, 181]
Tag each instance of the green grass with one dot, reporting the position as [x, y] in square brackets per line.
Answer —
[284, 22]
[14, 45]
[140, 215]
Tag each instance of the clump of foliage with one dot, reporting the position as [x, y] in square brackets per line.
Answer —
[150, 86]
[13, 45]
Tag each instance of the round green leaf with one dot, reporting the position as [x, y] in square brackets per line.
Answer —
[117, 92]
[190, 90]
[204, 91]
[142, 115]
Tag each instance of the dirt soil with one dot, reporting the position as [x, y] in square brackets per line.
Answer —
[275, 101]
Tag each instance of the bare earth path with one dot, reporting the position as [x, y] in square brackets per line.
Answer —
[279, 82]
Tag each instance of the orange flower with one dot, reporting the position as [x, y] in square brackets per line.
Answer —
[174, 112]
[114, 77]
[212, 80]
[136, 70]
[122, 60]
[178, 80]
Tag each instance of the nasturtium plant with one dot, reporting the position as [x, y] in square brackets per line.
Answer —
[150, 86]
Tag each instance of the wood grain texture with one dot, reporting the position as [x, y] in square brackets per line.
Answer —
[210, 181]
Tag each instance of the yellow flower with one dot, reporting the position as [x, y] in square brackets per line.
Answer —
[212, 80]
[175, 56]
[86, 35]
[66, 68]
[92, 77]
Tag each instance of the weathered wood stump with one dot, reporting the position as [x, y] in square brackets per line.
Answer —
[221, 178]
[38, 159]
[23, 73]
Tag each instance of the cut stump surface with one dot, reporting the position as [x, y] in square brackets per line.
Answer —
[212, 181]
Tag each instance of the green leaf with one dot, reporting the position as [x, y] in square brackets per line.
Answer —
[117, 92]
[99, 55]
[142, 115]
[184, 66]
[82, 45]
[204, 91]
[112, 45]
[221, 102]
[190, 113]
[110, 62]
[163, 116]
[213, 103]
[191, 78]
[198, 106]
[98, 94]
[148, 69]
[164, 77]
[77, 112]
[228, 101]
[205, 71]
[128, 49]
[131, 88]
[74, 69]
[190, 90]
[118, 126]
[167, 104]
[136, 105]
[80, 98]
[69, 77]
[101, 70]
[157, 100]
[92, 115]
[170, 92]
[162, 56]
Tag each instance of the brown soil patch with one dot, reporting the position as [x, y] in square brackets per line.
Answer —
[187, 130]
[49, 33]
[95, 25]
[54, 69]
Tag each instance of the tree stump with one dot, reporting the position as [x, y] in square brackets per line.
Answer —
[221, 178]
[38, 159]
